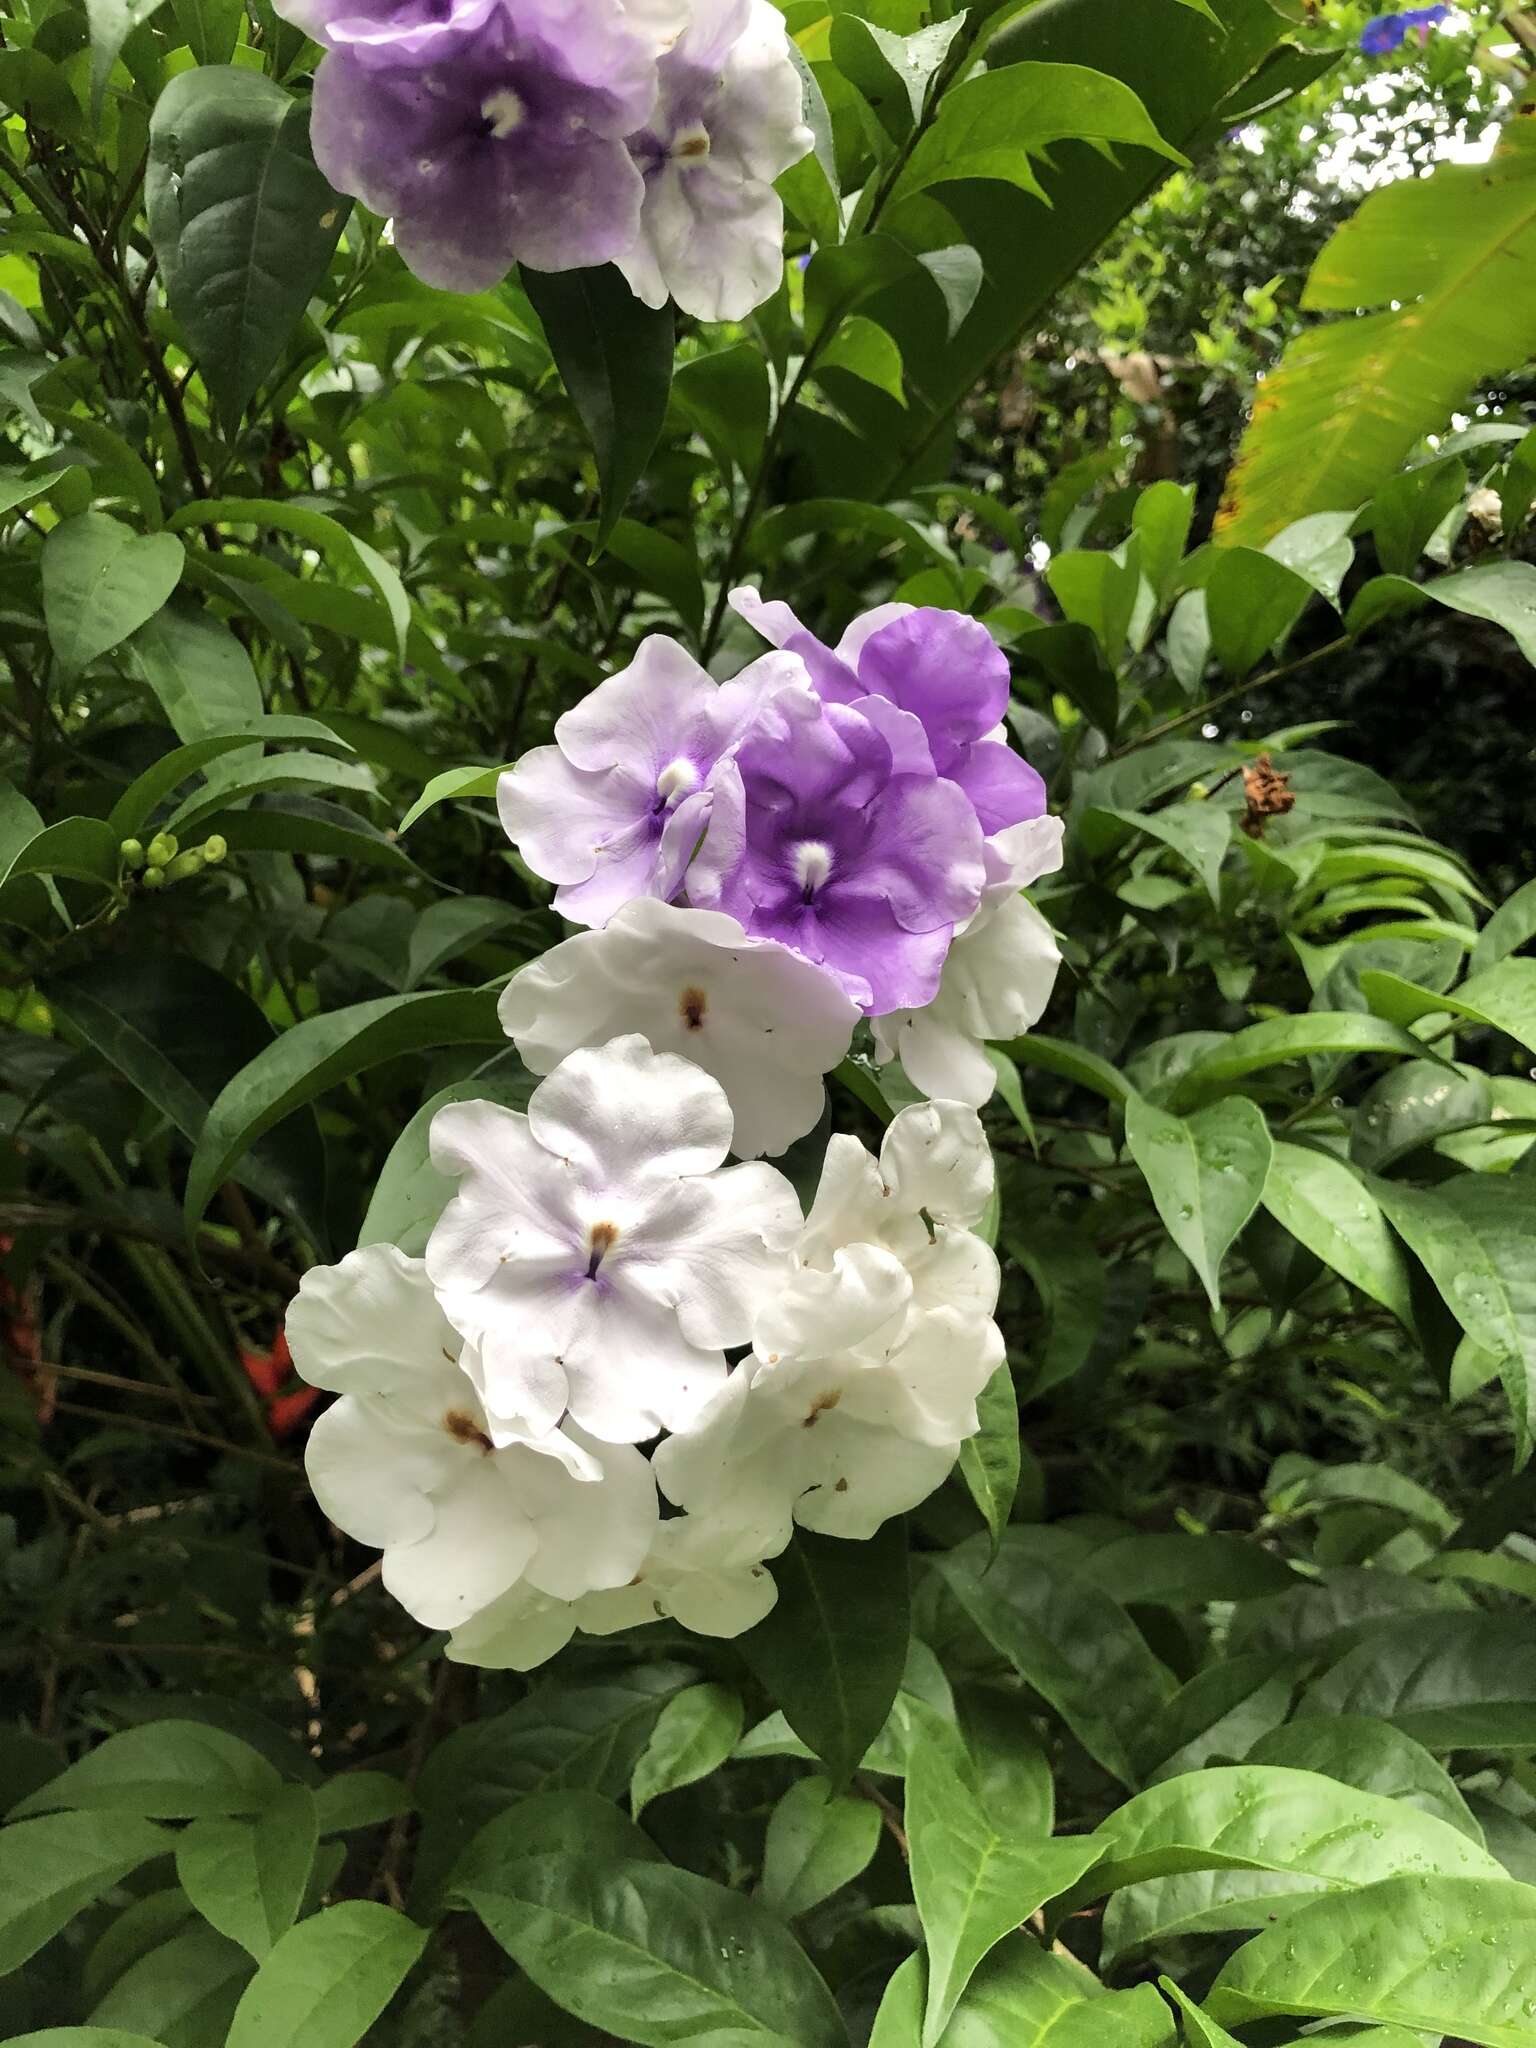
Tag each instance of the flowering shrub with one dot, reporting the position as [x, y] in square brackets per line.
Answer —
[767, 1280]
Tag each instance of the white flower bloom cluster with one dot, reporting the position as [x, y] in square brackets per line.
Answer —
[574, 1310]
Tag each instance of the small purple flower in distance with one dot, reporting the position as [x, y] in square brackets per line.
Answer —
[1388, 32]
[820, 838]
[944, 671]
[491, 131]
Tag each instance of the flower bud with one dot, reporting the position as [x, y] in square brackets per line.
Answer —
[131, 853]
[154, 878]
[185, 866]
[163, 848]
[215, 846]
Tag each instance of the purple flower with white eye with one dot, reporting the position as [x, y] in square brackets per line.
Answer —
[727, 123]
[824, 838]
[938, 667]
[615, 809]
[491, 131]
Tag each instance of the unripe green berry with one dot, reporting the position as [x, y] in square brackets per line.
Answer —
[154, 878]
[131, 853]
[215, 846]
[162, 848]
[185, 866]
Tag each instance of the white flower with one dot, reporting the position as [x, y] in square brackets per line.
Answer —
[727, 123]
[594, 1256]
[869, 1360]
[698, 1573]
[764, 1021]
[997, 978]
[404, 1460]
[838, 1444]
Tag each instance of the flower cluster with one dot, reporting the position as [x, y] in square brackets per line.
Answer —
[565, 133]
[626, 1369]
[835, 833]
[577, 1300]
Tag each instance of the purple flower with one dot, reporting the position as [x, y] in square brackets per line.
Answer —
[1388, 32]
[943, 672]
[492, 131]
[821, 838]
[615, 809]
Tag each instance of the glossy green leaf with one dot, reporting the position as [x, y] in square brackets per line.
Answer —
[1198, 833]
[1449, 1955]
[111, 24]
[1252, 601]
[1451, 1681]
[165, 1770]
[101, 581]
[654, 1954]
[1205, 1172]
[1277, 1040]
[1175, 1570]
[328, 1979]
[1022, 1995]
[1372, 1755]
[1502, 996]
[989, 1460]
[1326, 1206]
[1069, 1641]
[247, 1877]
[358, 1799]
[997, 125]
[614, 356]
[54, 1867]
[316, 1055]
[186, 1990]
[974, 1879]
[817, 1841]
[832, 1650]
[200, 674]
[242, 222]
[694, 1734]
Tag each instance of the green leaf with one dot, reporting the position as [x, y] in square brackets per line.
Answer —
[1073, 1062]
[1372, 1755]
[328, 1979]
[359, 1799]
[111, 23]
[1474, 1236]
[1406, 512]
[1446, 1954]
[694, 1734]
[1176, 1570]
[1502, 997]
[1453, 256]
[1161, 519]
[317, 1055]
[82, 2037]
[1510, 927]
[101, 582]
[891, 71]
[452, 784]
[166, 1770]
[864, 350]
[1275, 1041]
[973, 1877]
[211, 28]
[832, 1650]
[614, 356]
[1205, 1172]
[1021, 1997]
[818, 1840]
[989, 1460]
[998, 124]
[1252, 601]
[247, 1877]
[1199, 833]
[1326, 1206]
[143, 795]
[1451, 1681]
[585, 1736]
[1098, 591]
[200, 674]
[653, 1954]
[726, 397]
[53, 1868]
[1069, 1641]
[242, 222]
[186, 1990]
[178, 1032]
[320, 531]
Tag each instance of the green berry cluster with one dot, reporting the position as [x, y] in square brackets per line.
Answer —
[163, 861]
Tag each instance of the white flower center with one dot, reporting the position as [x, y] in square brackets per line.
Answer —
[690, 146]
[812, 864]
[504, 110]
[676, 780]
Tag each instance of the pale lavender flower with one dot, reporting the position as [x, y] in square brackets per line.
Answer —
[491, 131]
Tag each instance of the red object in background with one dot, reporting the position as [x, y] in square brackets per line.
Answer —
[21, 1342]
[269, 1372]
